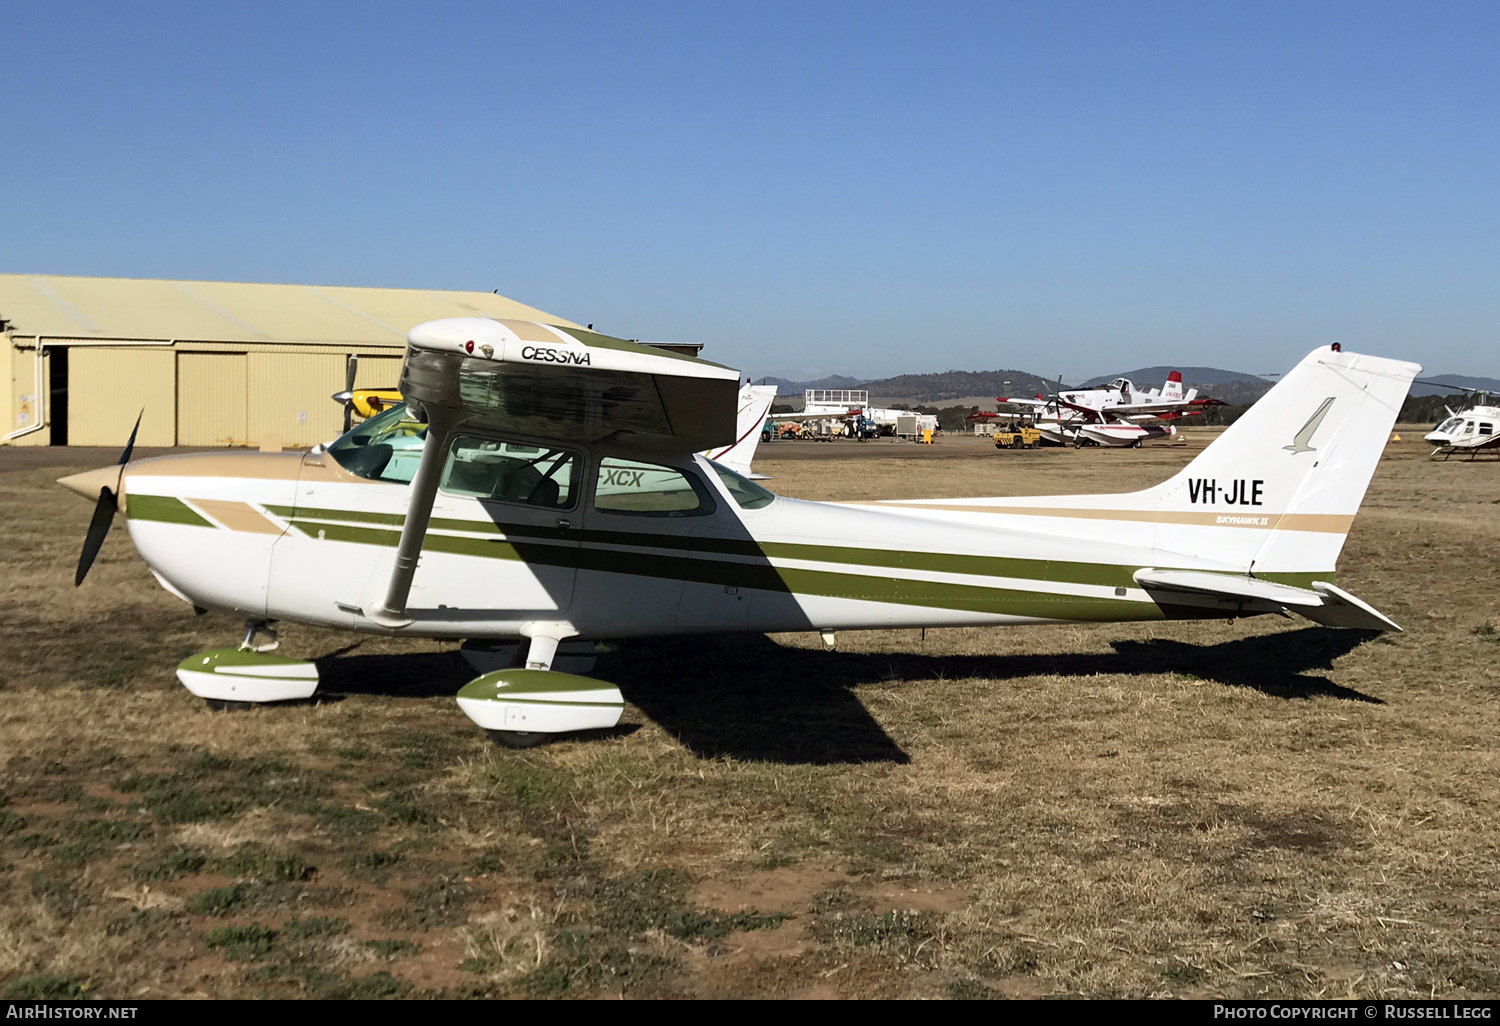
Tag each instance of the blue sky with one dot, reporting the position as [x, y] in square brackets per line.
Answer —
[860, 188]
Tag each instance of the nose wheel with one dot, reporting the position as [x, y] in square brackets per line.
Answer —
[518, 738]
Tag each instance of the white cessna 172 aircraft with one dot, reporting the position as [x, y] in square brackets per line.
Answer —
[545, 485]
[1114, 414]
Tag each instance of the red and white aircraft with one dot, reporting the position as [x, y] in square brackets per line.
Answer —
[1114, 414]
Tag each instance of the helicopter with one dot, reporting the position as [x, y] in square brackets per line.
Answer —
[1473, 432]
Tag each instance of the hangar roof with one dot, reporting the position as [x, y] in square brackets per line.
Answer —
[59, 306]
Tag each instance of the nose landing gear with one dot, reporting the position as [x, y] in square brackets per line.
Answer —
[237, 678]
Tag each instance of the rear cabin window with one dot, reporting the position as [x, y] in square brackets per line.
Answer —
[745, 492]
[650, 490]
[513, 472]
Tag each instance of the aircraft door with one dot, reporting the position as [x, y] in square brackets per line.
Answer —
[502, 542]
[639, 544]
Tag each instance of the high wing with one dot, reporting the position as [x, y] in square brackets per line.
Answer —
[1133, 411]
[568, 384]
[561, 384]
[1038, 402]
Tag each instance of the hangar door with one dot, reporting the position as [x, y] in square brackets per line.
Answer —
[211, 398]
[379, 372]
[289, 396]
[109, 386]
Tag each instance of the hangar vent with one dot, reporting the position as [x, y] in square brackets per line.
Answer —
[211, 363]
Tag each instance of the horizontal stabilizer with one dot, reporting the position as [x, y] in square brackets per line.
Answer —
[1323, 604]
[1341, 609]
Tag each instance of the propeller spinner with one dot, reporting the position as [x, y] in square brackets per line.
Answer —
[347, 395]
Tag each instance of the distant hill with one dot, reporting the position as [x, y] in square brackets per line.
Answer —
[1152, 377]
[1234, 387]
[1454, 379]
[927, 388]
[785, 386]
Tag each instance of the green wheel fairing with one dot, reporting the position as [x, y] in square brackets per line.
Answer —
[535, 686]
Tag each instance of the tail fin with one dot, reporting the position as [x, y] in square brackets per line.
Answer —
[1173, 387]
[1298, 462]
[755, 403]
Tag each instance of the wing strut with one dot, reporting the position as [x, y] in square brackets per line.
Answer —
[442, 424]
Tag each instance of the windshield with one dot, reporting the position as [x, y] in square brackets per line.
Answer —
[1451, 424]
[387, 447]
[744, 491]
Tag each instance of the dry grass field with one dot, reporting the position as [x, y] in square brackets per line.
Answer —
[1262, 808]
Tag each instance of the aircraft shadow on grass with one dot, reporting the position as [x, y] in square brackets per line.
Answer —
[749, 698]
[746, 697]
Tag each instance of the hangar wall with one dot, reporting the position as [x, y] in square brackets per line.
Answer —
[210, 363]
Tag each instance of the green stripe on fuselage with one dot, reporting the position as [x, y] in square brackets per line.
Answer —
[580, 550]
[167, 509]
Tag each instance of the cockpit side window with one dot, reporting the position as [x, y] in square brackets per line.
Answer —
[511, 472]
[387, 447]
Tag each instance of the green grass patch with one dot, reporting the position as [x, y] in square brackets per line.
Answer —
[392, 948]
[219, 901]
[444, 902]
[1488, 631]
[406, 808]
[45, 987]
[139, 920]
[314, 928]
[583, 959]
[330, 986]
[1183, 973]
[242, 943]
[972, 990]
[657, 900]
[60, 897]
[178, 862]
[527, 784]
[256, 862]
[903, 936]
[374, 866]
[210, 787]
[346, 822]
[90, 839]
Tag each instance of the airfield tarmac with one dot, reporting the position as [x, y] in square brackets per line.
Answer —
[1262, 808]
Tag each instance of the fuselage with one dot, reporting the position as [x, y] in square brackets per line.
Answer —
[1475, 428]
[299, 537]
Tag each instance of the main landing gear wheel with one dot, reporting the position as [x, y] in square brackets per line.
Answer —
[518, 738]
[225, 705]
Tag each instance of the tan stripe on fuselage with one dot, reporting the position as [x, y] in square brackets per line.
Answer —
[1321, 523]
[238, 516]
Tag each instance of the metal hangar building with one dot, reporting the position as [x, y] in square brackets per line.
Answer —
[211, 363]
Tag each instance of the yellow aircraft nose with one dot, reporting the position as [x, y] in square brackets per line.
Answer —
[88, 483]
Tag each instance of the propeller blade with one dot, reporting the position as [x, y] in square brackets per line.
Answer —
[130, 445]
[104, 515]
[350, 374]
